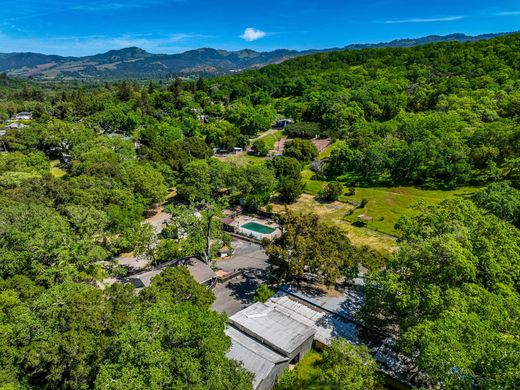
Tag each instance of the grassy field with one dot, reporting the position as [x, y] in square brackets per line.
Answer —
[242, 159]
[386, 205]
[334, 214]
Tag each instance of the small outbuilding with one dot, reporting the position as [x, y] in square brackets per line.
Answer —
[225, 251]
[283, 122]
[23, 116]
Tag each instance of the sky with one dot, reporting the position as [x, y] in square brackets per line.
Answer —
[86, 27]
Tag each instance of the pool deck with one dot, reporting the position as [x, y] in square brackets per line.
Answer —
[241, 220]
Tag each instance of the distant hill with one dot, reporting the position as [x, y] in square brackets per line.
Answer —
[410, 42]
[136, 63]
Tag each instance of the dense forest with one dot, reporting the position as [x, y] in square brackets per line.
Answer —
[77, 179]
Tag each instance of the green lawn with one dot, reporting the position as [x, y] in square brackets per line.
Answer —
[386, 205]
[270, 139]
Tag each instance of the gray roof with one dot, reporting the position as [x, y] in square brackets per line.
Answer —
[256, 357]
[327, 325]
[200, 271]
[144, 279]
[272, 327]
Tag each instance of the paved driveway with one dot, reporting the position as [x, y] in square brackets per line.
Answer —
[238, 293]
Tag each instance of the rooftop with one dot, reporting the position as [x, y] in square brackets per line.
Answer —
[200, 271]
[256, 357]
[273, 327]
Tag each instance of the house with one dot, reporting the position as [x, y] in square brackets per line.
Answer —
[15, 125]
[200, 271]
[283, 122]
[23, 116]
[228, 224]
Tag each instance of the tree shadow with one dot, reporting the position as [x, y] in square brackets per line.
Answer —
[244, 288]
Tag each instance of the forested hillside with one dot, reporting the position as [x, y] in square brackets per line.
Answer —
[77, 179]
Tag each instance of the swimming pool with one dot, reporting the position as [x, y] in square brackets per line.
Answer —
[258, 228]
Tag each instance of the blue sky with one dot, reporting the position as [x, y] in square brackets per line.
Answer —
[84, 27]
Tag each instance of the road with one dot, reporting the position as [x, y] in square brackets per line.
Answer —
[238, 293]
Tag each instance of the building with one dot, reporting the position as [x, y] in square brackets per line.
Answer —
[263, 362]
[200, 271]
[283, 122]
[275, 329]
[15, 125]
[267, 340]
[225, 251]
[23, 116]
[268, 337]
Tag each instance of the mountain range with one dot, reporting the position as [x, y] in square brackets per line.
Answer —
[136, 63]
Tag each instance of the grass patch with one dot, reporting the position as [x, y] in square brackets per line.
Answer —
[56, 171]
[334, 214]
[387, 204]
[242, 159]
[327, 152]
[271, 138]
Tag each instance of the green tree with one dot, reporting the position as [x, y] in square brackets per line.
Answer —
[350, 367]
[260, 147]
[309, 245]
[501, 200]
[263, 293]
[331, 191]
[175, 285]
[186, 350]
[300, 149]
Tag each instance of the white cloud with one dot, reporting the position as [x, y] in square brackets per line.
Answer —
[425, 20]
[508, 13]
[252, 34]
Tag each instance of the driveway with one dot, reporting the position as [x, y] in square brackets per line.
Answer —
[238, 292]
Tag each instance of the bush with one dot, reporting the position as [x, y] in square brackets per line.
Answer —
[263, 293]
[260, 147]
[331, 191]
